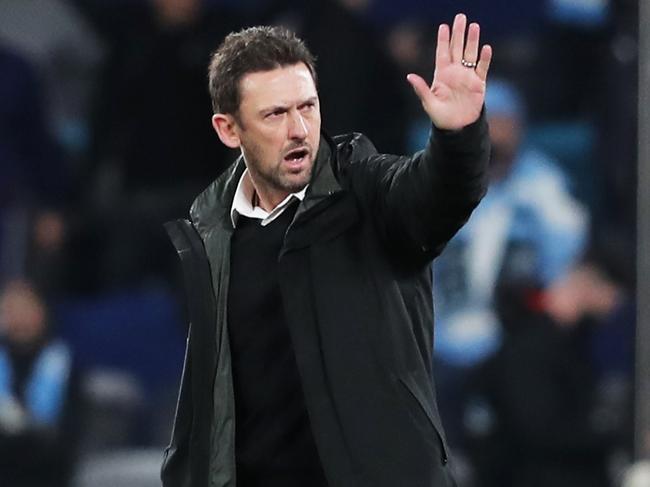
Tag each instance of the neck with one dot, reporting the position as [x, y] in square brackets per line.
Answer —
[266, 198]
[268, 202]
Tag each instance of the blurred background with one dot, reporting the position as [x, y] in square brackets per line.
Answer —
[105, 134]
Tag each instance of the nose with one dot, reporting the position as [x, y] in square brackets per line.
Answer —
[297, 126]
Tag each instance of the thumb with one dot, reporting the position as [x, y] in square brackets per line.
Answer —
[420, 86]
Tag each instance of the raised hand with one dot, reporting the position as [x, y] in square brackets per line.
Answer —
[456, 96]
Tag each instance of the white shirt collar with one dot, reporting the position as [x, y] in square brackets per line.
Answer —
[242, 203]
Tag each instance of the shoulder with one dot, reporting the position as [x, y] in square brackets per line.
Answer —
[543, 186]
[213, 204]
[534, 164]
[536, 176]
[353, 146]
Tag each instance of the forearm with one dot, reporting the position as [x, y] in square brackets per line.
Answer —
[461, 156]
[419, 202]
[459, 179]
[434, 194]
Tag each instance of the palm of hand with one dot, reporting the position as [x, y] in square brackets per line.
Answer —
[458, 95]
[455, 98]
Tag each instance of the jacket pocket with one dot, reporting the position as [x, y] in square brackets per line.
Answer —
[411, 386]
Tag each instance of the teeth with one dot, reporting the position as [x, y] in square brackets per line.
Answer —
[296, 155]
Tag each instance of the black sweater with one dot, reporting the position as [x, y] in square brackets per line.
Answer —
[274, 441]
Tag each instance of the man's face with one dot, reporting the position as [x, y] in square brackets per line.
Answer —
[22, 315]
[279, 129]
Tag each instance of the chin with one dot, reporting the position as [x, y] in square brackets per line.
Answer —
[296, 187]
[298, 179]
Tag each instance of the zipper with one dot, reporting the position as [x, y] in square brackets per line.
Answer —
[443, 448]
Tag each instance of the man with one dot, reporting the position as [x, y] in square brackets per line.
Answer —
[37, 393]
[309, 353]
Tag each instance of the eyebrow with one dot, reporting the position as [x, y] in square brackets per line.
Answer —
[271, 109]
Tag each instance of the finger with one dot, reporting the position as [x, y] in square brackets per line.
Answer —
[471, 47]
[443, 55]
[458, 38]
[484, 62]
[420, 86]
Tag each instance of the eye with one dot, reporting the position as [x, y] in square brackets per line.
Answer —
[306, 107]
[275, 113]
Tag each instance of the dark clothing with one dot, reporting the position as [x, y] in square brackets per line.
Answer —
[356, 288]
[31, 169]
[152, 143]
[40, 452]
[274, 444]
[539, 390]
[150, 118]
[22, 358]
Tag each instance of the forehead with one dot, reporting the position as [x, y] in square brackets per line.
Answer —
[281, 86]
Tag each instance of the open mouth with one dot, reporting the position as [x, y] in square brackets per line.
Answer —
[297, 155]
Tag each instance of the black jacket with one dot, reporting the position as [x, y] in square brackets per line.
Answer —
[356, 286]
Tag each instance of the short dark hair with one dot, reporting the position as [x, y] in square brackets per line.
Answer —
[251, 50]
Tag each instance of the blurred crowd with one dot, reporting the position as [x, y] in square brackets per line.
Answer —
[105, 134]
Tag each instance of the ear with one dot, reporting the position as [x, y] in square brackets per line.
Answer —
[226, 128]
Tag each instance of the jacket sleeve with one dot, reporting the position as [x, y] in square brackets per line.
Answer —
[175, 471]
[419, 202]
[186, 461]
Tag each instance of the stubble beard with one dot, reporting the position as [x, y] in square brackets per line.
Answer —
[275, 178]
